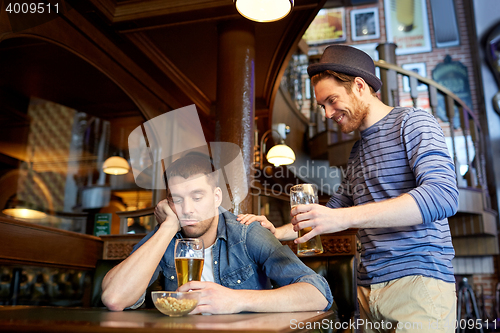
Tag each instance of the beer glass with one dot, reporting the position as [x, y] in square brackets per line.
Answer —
[304, 194]
[189, 258]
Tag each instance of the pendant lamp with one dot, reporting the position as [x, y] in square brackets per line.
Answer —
[264, 10]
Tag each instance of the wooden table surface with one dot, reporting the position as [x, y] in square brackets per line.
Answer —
[59, 319]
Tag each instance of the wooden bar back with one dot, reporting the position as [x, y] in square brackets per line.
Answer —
[30, 244]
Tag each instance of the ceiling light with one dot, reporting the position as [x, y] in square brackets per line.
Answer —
[116, 165]
[22, 210]
[264, 10]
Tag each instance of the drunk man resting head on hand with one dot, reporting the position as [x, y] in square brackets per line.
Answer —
[240, 260]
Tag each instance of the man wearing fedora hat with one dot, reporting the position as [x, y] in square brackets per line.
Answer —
[399, 190]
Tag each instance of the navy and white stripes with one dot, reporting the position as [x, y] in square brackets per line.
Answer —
[405, 152]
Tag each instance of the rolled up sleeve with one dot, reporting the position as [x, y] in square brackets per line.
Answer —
[436, 192]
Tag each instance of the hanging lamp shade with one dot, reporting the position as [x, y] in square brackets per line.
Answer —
[280, 155]
[264, 10]
[116, 165]
[23, 210]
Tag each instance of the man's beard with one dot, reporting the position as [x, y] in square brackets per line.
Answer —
[359, 111]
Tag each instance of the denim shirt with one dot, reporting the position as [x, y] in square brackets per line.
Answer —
[244, 257]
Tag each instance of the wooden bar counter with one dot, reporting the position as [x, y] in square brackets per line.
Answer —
[97, 320]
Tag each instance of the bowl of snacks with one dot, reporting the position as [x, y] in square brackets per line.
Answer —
[175, 304]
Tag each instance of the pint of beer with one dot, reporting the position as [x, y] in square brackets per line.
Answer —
[189, 258]
[304, 194]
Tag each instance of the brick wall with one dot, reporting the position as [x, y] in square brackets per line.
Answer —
[484, 286]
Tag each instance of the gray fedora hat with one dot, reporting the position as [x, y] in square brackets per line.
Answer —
[347, 60]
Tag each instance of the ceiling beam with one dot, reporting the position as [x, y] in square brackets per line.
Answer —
[134, 10]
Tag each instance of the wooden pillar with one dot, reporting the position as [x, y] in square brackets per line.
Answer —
[390, 91]
[235, 104]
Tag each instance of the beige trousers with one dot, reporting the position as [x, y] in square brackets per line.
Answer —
[409, 304]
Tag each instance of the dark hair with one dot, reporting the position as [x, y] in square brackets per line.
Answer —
[193, 164]
[344, 80]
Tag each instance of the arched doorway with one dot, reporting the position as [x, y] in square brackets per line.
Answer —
[61, 117]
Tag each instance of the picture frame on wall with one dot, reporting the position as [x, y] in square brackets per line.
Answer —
[420, 69]
[365, 24]
[327, 27]
[407, 26]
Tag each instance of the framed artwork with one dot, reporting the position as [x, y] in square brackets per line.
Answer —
[419, 68]
[365, 24]
[407, 26]
[327, 27]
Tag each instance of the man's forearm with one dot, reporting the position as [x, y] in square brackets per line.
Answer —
[125, 283]
[299, 296]
[396, 212]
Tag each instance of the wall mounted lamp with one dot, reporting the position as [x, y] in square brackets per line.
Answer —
[264, 10]
[279, 154]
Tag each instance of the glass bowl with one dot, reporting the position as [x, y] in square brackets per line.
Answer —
[175, 304]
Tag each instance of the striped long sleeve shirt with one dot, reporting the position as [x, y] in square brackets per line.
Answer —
[405, 152]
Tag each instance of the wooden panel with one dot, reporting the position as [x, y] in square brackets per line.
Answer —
[338, 154]
[119, 246]
[472, 218]
[470, 201]
[339, 243]
[318, 145]
[31, 244]
[475, 246]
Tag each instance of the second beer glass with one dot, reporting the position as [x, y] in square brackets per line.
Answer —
[189, 258]
[305, 194]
